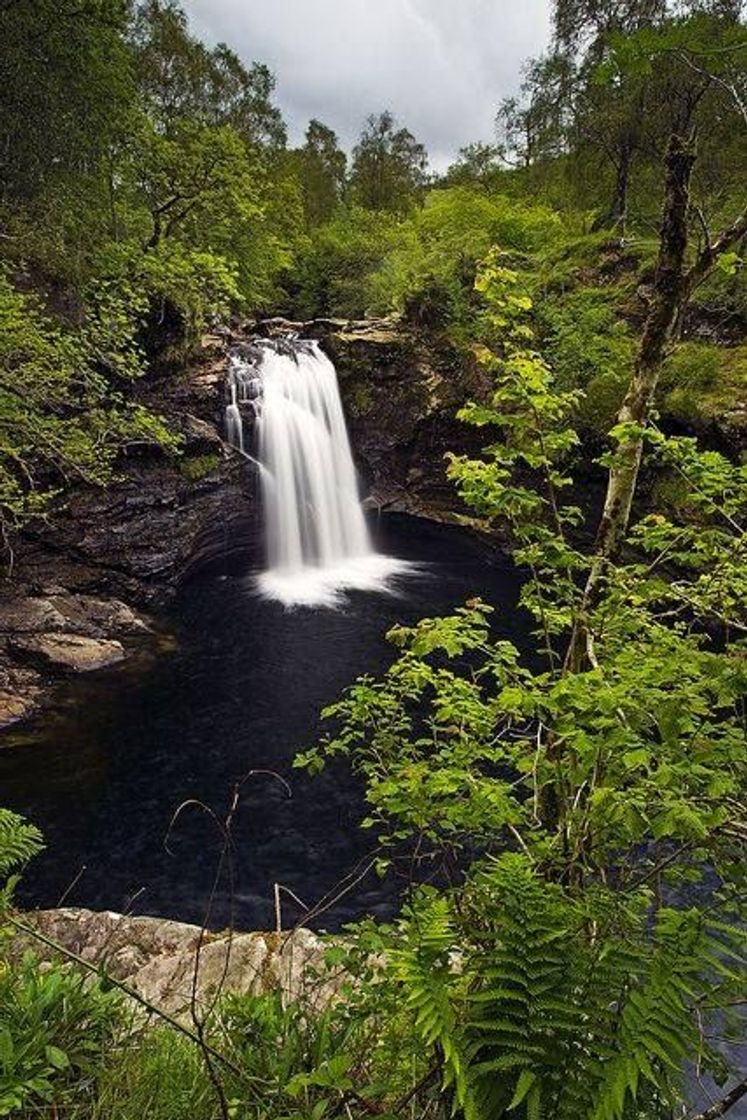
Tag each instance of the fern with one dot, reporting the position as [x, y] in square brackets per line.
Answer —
[558, 1009]
[19, 842]
[424, 969]
[523, 1016]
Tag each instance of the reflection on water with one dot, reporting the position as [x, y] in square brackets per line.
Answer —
[105, 774]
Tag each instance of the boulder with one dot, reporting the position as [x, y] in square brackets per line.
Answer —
[60, 610]
[21, 693]
[66, 652]
[161, 959]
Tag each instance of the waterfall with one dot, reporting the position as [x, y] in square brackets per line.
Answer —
[317, 542]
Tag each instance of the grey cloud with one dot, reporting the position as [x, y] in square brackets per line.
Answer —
[441, 66]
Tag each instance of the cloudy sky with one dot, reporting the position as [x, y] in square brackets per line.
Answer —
[442, 66]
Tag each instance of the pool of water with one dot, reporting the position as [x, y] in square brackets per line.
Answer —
[104, 774]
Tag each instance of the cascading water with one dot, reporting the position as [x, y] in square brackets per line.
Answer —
[318, 544]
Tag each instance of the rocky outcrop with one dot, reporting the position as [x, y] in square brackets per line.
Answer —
[167, 515]
[70, 652]
[162, 960]
[82, 575]
[22, 692]
[55, 633]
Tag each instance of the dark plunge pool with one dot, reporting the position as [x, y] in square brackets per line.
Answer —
[103, 775]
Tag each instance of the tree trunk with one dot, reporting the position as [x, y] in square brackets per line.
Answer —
[619, 208]
[657, 333]
[673, 287]
[660, 323]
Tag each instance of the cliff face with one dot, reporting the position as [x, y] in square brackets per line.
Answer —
[135, 543]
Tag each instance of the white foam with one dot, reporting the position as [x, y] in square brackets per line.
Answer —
[327, 586]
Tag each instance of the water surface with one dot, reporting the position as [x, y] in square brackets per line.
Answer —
[242, 690]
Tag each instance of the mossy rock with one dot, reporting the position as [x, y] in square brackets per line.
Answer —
[707, 384]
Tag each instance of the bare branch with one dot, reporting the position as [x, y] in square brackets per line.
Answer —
[720, 1108]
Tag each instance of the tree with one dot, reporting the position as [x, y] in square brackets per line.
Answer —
[532, 128]
[476, 163]
[181, 79]
[389, 166]
[321, 166]
[65, 83]
[568, 970]
[571, 104]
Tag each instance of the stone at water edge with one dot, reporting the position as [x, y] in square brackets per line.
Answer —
[156, 957]
[70, 652]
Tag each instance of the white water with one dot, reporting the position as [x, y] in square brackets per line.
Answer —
[317, 541]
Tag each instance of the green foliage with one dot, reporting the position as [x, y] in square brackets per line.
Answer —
[590, 940]
[199, 466]
[144, 198]
[321, 167]
[555, 980]
[19, 842]
[702, 382]
[55, 1033]
[335, 266]
[439, 248]
[389, 166]
[62, 417]
[589, 348]
[158, 1073]
[540, 1019]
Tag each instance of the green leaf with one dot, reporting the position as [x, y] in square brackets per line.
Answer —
[526, 1080]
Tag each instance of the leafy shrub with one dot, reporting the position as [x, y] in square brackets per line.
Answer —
[62, 418]
[589, 348]
[437, 253]
[336, 263]
[56, 1030]
[700, 381]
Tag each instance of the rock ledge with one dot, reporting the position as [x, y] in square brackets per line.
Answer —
[159, 958]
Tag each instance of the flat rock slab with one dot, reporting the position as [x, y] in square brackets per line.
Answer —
[160, 959]
[62, 610]
[72, 653]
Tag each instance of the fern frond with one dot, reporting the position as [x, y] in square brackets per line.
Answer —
[19, 842]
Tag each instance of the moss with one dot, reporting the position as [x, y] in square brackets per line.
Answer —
[360, 399]
[702, 381]
[199, 466]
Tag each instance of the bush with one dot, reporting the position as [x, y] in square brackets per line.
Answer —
[590, 348]
[62, 418]
[701, 381]
[433, 267]
[336, 263]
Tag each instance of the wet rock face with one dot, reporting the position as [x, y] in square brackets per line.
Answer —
[21, 693]
[402, 390]
[167, 516]
[161, 958]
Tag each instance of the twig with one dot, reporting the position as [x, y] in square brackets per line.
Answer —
[720, 1108]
